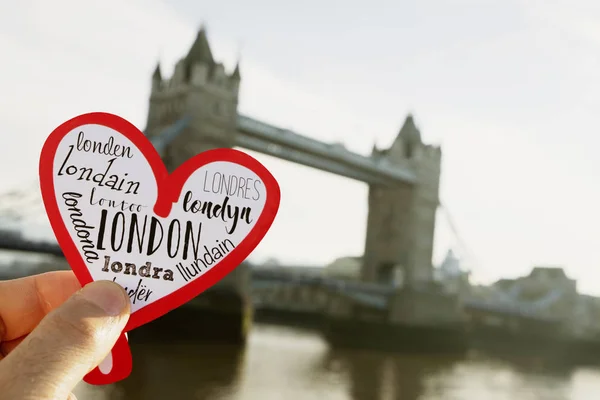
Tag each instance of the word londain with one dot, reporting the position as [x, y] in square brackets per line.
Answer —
[145, 235]
[114, 182]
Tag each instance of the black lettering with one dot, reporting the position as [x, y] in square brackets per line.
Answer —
[129, 269]
[225, 211]
[170, 238]
[115, 229]
[80, 226]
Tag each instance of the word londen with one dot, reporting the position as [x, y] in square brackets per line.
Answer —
[146, 235]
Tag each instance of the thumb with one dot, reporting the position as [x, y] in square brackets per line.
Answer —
[67, 344]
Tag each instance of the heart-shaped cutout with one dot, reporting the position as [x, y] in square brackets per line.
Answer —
[118, 215]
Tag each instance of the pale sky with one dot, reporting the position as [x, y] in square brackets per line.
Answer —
[509, 88]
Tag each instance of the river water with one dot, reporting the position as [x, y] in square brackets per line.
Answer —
[280, 363]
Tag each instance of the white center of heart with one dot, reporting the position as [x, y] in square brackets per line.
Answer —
[106, 191]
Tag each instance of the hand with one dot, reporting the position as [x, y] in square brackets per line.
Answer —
[52, 333]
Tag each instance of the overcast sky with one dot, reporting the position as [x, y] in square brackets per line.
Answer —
[510, 89]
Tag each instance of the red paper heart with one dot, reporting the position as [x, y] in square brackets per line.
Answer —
[119, 368]
[168, 192]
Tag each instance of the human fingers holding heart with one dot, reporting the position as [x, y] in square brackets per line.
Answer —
[119, 216]
[53, 332]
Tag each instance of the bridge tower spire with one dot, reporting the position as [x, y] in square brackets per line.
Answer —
[201, 90]
[401, 219]
[157, 78]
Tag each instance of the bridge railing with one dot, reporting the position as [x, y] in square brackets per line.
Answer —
[14, 241]
[161, 141]
[294, 140]
[10, 240]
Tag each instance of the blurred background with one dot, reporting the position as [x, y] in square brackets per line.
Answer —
[437, 161]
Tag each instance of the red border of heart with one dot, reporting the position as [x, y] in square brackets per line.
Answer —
[169, 190]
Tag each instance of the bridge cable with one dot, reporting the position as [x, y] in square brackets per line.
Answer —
[470, 256]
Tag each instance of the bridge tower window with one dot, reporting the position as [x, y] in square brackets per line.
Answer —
[408, 149]
[385, 273]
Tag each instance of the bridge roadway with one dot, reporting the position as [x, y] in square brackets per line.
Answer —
[270, 280]
[277, 284]
[264, 277]
[261, 279]
[287, 145]
[267, 139]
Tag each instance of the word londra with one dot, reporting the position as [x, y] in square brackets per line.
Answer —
[130, 269]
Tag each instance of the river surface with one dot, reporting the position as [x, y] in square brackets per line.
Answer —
[282, 363]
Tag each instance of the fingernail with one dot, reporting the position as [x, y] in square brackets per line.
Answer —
[107, 295]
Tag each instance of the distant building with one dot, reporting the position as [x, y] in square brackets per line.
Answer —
[271, 262]
[304, 271]
[451, 276]
[344, 268]
[290, 270]
[585, 318]
[547, 292]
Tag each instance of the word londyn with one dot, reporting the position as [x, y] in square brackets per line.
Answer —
[130, 269]
[224, 211]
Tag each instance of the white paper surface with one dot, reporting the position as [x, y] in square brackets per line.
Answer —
[106, 192]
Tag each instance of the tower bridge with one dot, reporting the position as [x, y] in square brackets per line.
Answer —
[196, 109]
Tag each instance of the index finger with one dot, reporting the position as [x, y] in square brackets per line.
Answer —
[25, 301]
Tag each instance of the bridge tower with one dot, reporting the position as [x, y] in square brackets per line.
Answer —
[401, 220]
[202, 90]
